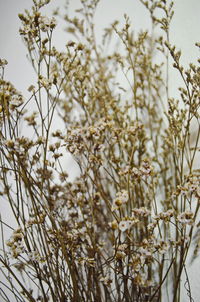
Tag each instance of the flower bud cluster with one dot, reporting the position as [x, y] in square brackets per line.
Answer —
[15, 243]
[11, 99]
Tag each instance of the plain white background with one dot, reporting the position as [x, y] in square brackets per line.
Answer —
[185, 31]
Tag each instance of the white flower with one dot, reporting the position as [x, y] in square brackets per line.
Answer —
[3, 62]
[123, 195]
[121, 198]
[146, 168]
[17, 100]
[46, 23]
[186, 217]
[46, 83]
[125, 225]
[166, 215]
[141, 212]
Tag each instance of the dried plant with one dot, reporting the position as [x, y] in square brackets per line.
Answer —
[124, 227]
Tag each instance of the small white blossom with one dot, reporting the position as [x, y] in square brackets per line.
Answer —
[121, 198]
[186, 217]
[3, 62]
[125, 225]
[46, 23]
[141, 212]
[46, 83]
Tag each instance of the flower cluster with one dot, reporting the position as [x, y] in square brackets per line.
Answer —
[32, 24]
[15, 243]
[11, 99]
[190, 187]
[186, 218]
[143, 171]
[3, 62]
[121, 198]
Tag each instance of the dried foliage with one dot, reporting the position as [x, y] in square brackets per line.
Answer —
[123, 228]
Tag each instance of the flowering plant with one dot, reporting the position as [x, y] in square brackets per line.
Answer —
[123, 227]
